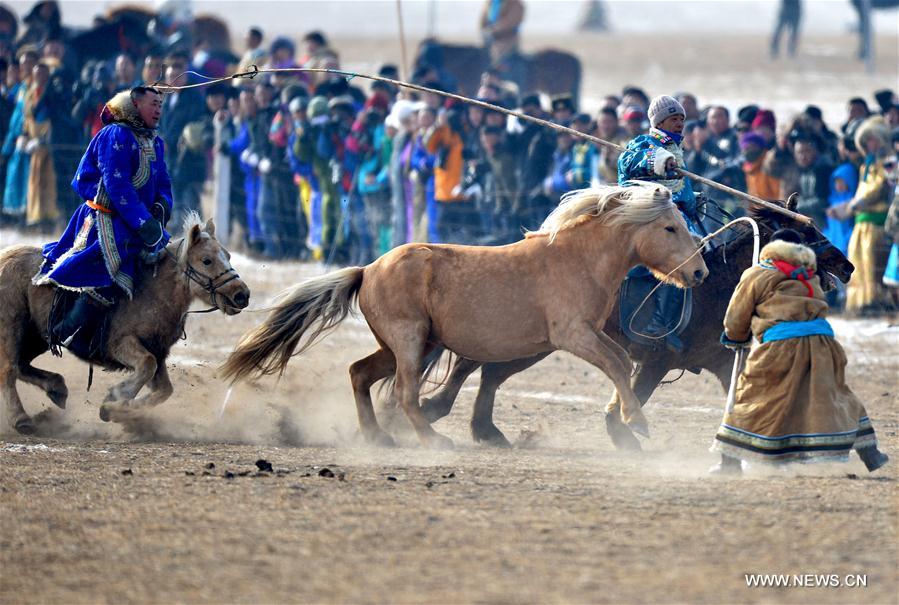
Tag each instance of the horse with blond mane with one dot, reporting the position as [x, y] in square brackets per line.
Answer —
[551, 291]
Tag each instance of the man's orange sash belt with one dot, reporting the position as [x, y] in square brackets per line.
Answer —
[98, 207]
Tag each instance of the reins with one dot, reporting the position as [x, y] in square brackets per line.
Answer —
[206, 282]
[755, 247]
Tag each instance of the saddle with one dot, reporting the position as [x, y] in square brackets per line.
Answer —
[635, 320]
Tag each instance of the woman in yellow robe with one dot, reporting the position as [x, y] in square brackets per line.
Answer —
[792, 402]
[869, 210]
[42, 206]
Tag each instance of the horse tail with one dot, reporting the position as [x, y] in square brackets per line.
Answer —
[315, 306]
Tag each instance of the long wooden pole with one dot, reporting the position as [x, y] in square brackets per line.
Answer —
[404, 66]
[521, 116]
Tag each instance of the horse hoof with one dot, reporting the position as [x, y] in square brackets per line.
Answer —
[381, 439]
[25, 426]
[490, 435]
[104, 413]
[433, 410]
[439, 442]
[640, 427]
[59, 398]
[621, 435]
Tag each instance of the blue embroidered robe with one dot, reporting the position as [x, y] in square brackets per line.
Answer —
[123, 172]
[15, 192]
[637, 162]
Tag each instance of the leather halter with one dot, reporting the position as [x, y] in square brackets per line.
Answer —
[210, 284]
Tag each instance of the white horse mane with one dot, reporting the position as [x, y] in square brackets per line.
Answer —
[191, 219]
[638, 203]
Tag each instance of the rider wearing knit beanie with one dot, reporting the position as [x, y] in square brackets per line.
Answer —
[663, 107]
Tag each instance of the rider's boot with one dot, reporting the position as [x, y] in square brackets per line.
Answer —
[666, 317]
[80, 331]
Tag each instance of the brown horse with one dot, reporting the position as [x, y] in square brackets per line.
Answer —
[550, 291]
[548, 70]
[141, 331]
[702, 351]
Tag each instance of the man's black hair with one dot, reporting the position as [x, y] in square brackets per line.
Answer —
[726, 110]
[178, 54]
[139, 91]
[787, 235]
[389, 70]
[814, 112]
[608, 111]
[317, 37]
[636, 91]
[255, 31]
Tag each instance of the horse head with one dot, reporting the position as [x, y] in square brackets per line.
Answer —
[831, 261]
[207, 264]
[662, 241]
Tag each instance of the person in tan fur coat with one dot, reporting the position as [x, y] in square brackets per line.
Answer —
[792, 402]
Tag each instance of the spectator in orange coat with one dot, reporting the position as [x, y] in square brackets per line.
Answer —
[758, 182]
[455, 215]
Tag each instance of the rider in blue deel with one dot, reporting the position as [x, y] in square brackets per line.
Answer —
[656, 157]
[127, 195]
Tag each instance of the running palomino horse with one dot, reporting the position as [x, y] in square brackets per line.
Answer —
[140, 333]
[702, 350]
[553, 290]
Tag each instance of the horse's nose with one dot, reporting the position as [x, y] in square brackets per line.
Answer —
[699, 275]
[242, 299]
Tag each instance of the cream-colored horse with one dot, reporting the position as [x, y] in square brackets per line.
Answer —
[551, 291]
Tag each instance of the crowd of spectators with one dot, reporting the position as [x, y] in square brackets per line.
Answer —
[324, 168]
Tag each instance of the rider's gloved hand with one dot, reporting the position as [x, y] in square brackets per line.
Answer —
[153, 254]
[151, 233]
[160, 212]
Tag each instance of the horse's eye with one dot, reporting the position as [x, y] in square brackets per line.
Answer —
[207, 261]
[669, 229]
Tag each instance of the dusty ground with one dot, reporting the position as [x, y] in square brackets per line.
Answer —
[99, 514]
[93, 513]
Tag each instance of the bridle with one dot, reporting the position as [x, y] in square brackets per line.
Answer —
[209, 284]
[770, 225]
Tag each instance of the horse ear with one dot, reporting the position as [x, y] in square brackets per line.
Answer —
[194, 235]
[792, 201]
[210, 227]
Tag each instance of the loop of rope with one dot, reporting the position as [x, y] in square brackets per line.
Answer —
[755, 255]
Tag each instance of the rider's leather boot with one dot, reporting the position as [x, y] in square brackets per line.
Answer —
[80, 330]
[666, 317]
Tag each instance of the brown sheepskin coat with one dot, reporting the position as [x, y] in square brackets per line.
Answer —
[792, 402]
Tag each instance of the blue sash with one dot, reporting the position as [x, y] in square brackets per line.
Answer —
[797, 329]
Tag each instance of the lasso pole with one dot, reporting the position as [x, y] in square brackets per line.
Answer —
[489, 106]
[404, 65]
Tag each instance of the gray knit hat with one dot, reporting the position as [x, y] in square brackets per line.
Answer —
[663, 107]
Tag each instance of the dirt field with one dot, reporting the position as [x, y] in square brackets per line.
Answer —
[98, 514]
[173, 510]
